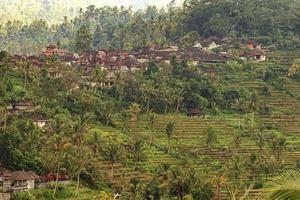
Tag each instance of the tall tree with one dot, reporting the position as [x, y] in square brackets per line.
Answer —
[84, 38]
[169, 131]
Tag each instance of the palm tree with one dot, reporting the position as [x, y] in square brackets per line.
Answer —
[113, 152]
[218, 181]
[57, 146]
[261, 140]
[4, 104]
[80, 128]
[179, 92]
[58, 142]
[137, 152]
[98, 76]
[170, 128]
[151, 121]
[284, 187]
[148, 90]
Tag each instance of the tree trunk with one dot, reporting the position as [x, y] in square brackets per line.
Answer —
[56, 181]
[77, 186]
[148, 105]
[166, 108]
[5, 116]
[252, 121]
[178, 105]
[169, 146]
[112, 171]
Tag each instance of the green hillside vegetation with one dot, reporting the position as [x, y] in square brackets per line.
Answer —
[136, 140]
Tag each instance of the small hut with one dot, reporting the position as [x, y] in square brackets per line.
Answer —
[196, 112]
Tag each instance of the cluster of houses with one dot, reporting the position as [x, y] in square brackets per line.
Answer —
[114, 61]
[121, 61]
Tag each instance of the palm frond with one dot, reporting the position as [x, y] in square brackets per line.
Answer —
[284, 187]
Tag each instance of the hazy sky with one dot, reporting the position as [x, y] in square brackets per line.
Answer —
[133, 3]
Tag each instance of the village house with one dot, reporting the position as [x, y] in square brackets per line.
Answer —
[197, 113]
[254, 54]
[39, 119]
[208, 44]
[5, 184]
[22, 106]
[198, 56]
[257, 54]
[18, 181]
[52, 50]
[23, 181]
[253, 45]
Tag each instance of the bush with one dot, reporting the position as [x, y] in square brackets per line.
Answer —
[265, 109]
[205, 192]
[23, 196]
[266, 91]
[258, 185]
[298, 164]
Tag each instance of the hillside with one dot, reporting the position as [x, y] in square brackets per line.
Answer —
[248, 136]
[192, 102]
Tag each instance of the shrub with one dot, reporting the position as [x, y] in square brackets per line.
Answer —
[23, 196]
[266, 91]
[298, 164]
[205, 192]
[258, 185]
[265, 109]
[212, 137]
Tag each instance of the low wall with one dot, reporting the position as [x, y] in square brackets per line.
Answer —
[44, 185]
[4, 196]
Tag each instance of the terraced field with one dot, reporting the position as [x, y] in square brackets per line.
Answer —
[285, 104]
[188, 141]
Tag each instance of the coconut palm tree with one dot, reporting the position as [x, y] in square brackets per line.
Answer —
[80, 128]
[284, 187]
[112, 152]
[137, 151]
[170, 128]
[57, 143]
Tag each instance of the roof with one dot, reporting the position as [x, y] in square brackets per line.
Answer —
[195, 111]
[51, 46]
[5, 173]
[196, 54]
[252, 42]
[256, 52]
[22, 176]
[35, 116]
[23, 103]
[208, 41]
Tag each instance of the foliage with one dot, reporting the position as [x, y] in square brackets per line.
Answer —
[286, 186]
[23, 196]
[294, 70]
[211, 136]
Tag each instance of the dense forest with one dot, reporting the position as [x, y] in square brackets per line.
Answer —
[270, 22]
[138, 139]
